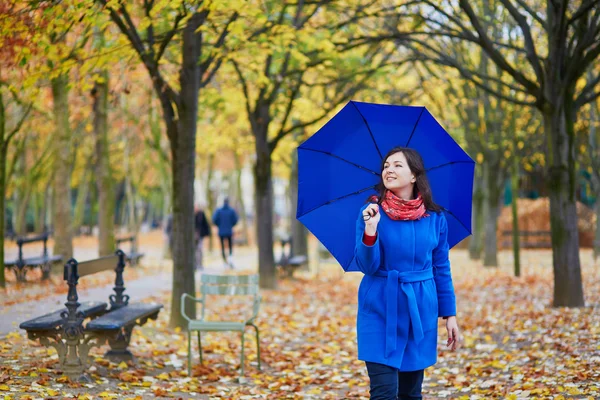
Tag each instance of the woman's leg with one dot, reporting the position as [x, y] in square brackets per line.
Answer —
[410, 385]
[384, 381]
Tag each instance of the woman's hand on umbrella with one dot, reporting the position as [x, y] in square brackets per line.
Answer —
[454, 337]
[371, 215]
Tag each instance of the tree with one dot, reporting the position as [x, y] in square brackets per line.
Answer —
[104, 179]
[6, 136]
[201, 29]
[555, 47]
[296, 56]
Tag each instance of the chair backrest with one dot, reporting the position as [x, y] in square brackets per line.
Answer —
[228, 285]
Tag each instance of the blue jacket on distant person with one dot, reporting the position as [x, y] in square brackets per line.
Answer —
[225, 218]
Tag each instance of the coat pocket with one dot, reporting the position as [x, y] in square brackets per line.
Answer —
[428, 306]
[365, 295]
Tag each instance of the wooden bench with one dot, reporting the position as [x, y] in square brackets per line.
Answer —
[44, 261]
[223, 285]
[74, 330]
[133, 257]
[288, 263]
[541, 239]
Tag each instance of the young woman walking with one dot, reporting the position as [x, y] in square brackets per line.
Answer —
[402, 248]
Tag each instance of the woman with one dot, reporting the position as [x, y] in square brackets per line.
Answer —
[402, 249]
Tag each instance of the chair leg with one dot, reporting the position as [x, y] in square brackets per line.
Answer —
[242, 357]
[200, 347]
[189, 353]
[257, 344]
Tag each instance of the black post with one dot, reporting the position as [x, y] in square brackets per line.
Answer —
[119, 300]
[19, 271]
[45, 245]
[72, 324]
[72, 327]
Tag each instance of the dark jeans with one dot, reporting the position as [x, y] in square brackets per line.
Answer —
[223, 239]
[387, 383]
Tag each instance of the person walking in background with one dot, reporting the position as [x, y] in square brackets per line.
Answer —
[225, 219]
[169, 233]
[201, 230]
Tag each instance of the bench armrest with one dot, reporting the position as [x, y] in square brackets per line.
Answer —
[185, 296]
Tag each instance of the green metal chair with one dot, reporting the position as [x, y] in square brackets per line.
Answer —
[225, 285]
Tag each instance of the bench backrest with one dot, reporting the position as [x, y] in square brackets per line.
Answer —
[131, 239]
[74, 270]
[32, 239]
[98, 265]
[228, 285]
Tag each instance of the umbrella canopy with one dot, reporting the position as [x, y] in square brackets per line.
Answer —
[339, 166]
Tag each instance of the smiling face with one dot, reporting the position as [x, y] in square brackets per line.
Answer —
[397, 175]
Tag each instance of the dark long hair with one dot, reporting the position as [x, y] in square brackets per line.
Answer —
[417, 167]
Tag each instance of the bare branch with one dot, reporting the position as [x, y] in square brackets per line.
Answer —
[495, 55]
[444, 59]
[589, 88]
[533, 14]
[167, 38]
[532, 54]
[362, 40]
[281, 134]
[16, 155]
[244, 87]
[588, 99]
[582, 10]
[18, 125]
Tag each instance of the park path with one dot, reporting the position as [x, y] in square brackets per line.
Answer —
[158, 279]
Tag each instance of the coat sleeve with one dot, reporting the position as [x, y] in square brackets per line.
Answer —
[367, 257]
[216, 217]
[443, 276]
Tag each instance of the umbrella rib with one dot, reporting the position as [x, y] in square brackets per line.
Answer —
[369, 129]
[415, 127]
[337, 199]
[459, 221]
[450, 163]
[341, 159]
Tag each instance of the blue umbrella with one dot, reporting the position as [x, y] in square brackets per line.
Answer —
[339, 166]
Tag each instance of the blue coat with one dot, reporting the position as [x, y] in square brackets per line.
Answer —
[406, 287]
[225, 218]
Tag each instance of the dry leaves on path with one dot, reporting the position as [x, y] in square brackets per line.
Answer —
[516, 346]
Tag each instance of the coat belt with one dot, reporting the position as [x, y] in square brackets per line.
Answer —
[404, 280]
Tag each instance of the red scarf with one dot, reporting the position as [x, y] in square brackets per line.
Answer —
[402, 210]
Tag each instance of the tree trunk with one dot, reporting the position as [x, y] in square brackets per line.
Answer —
[568, 288]
[210, 198]
[492, 205]
[63, 235]
[21, 207]
[3, 161]
[183, 148]
[22, 192]
[263, 192]
[40, 209]
[476, 243]
[238, 182]
[299, 231]
[129, 193]
[514, 208]
[597, 235]
[81, 200]
[104, 181]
